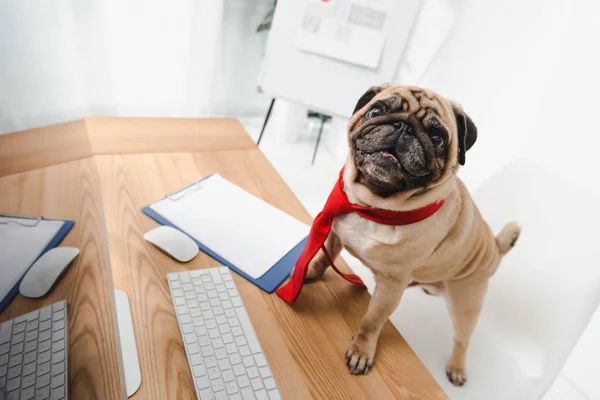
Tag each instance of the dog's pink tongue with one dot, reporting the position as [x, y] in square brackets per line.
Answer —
[389, 156]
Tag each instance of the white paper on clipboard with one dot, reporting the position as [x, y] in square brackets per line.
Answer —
[22, 240]
[347, 30]
[243, 229]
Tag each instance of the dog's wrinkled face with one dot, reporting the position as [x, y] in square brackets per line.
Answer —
[404, 138]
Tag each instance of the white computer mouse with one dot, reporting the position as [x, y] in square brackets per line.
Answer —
[46, 270]
[173, 242]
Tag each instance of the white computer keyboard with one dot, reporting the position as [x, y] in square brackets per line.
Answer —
[34, 355]
[223, 352]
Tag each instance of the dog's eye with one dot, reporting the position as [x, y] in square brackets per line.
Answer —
[437, 140]
[376, 111]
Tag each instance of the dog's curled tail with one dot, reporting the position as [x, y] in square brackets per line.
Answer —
[507, 238]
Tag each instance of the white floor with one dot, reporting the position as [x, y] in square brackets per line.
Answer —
[579, 379]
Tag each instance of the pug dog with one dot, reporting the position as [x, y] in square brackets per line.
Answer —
[406, 146]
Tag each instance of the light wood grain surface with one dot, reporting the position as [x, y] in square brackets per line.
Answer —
[71, 191]
[304, 343]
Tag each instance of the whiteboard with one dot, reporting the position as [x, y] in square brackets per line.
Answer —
[324, 84]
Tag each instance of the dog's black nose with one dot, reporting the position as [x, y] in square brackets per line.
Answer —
[403, 127]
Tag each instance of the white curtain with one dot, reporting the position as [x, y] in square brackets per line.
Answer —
[64, 59]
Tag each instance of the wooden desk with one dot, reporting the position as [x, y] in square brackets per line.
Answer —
[137, 161]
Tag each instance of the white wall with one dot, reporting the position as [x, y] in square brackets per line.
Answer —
[528, 73]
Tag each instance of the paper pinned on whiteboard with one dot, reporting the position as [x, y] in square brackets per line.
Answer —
[347, 30]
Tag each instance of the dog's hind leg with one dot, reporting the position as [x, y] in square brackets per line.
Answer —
[318, 265]
[465, 300]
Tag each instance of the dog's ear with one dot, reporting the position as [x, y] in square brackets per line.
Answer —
[368, 96]
[467, 132]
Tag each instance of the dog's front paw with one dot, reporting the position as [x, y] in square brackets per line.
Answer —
[360, 354]
[456, 375]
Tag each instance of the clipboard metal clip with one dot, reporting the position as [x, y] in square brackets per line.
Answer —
[180, 193]
[19, 219]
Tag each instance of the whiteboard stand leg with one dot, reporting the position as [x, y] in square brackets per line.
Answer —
[265, 123]
[323, 118]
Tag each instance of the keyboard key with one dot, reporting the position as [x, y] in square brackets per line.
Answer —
[235, 359]
[248, 330]
[185, 319]
[190, 338]
[228, 376]
[237, 331]
[214, 333]
[31, 346]
[237, 302]
[233, 293]
[184, 277]
[217, 343]
[3, 370]
[221, 288]
[43, 369]
[204, 341]
[201, 331]
[230, 285]
[32, 335]
[265, 372]
[231, 348]
[202, 382]
[19, 337]
[274, 395]
[202, 297]
[224, 329]
[210, 362]
[27, 393]
[260, 359]
[215, 302]
[4, 348]
[43, 393]
[244, 351]
[227, 338]
[59, 315]
[240, 340]
[248, 361]
[206, 278]
[17, 348]
[58, 368]
[199, 371]
[221, 353]
[198, 321]
[216, 276]
[193, 348]
[31, 325]
[29, 368]
[226, 304]
[239, 370]
[233, 322]
[43, 357]
[207, 351]
[221, 319]
[205, 306]
[13, 383]
[58, 381]
[224, 364]
[17, 359]
[224, 296]
[59, 345]
[60, 334]
[188, 287]
[187, 328]
[248, 394]
[211, 324]
[231, 388]
[57, 325]
[19, 328]
[6, 331]
[261, 395]
[58, 357]
[217, 385]
[194, 313]
[243, 381]
[58, 306]
[196, 359]
[45, 335]
[14, 372]
[257, 383]
[207, 315]
[269, 383]
[45, 345]
[252, 372]
[212, 294]
[214, 373]
[43, 380]
[227, 277]
[45, 313]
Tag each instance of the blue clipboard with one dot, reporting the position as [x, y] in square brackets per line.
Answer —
[270, 281]
[60, 235]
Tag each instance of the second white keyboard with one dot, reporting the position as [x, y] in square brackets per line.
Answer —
[223, 352]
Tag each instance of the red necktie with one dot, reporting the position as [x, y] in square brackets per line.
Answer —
[338, 204]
